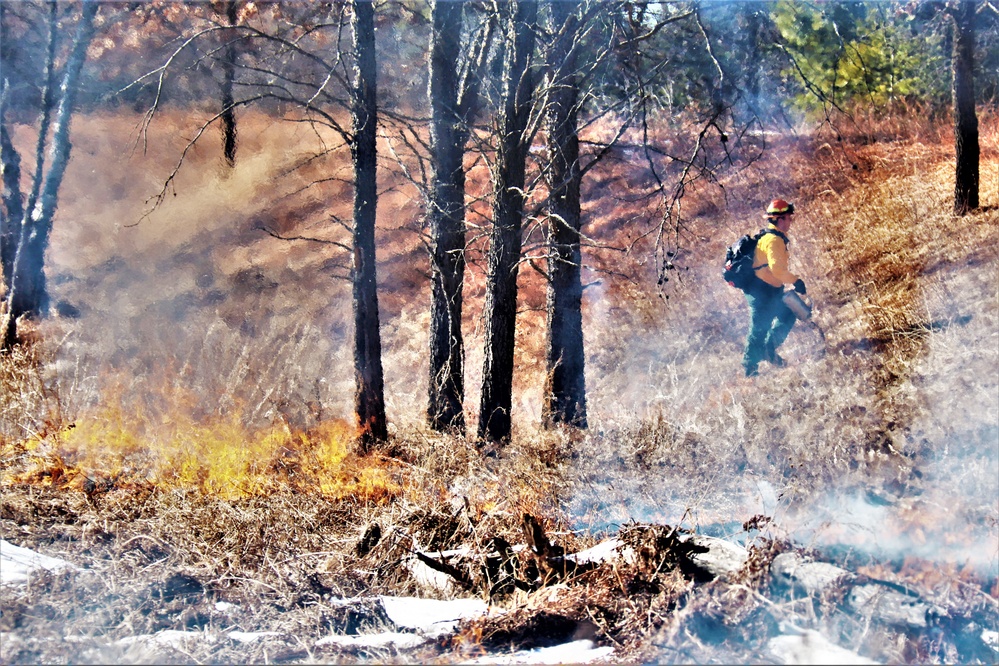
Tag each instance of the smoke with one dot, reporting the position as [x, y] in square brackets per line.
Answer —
[863, 525]
[198, 295]
[679, 437]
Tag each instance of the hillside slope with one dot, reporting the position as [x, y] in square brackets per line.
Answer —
[196, 387]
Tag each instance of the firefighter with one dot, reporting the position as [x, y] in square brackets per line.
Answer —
[770, 320]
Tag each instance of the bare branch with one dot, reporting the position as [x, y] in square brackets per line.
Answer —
[322, 241]
[160, 196]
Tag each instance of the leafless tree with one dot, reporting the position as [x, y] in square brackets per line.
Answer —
[369, 398]
[456, 71]
[967, 150]
[229, 9]
[565, 381]
[27, 295]
[319, 61]
[515, 134]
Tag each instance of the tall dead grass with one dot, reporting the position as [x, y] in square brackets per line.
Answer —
[208, 380]
[258, 328]
[30, 405]
[884, 406]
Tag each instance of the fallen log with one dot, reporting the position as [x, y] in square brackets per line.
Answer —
[876, 600]
[500, 568]
[793, 571]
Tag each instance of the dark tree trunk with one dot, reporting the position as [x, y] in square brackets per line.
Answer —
[453, 101]
[369, 399]
[12, 203]
[965, 118]
[228, 77]
[12, 211]
[505, 246]
[565, 386]
[28, 294]
[446, 217]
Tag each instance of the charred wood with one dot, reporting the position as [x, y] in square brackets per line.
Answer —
[443, 567]
[550, 563]
[372, 535]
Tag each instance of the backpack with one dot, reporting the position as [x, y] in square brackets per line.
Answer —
[739, 271]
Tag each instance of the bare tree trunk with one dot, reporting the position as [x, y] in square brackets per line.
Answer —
[12, 201]
[446, 216]
[228, 77]
[12, 207]
[565, 385]
[965, 118]
[505, 247]
[453, 100]
[28, 294]
[369, 399]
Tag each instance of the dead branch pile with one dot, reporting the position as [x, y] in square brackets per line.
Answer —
[651, 591]
[169, 575]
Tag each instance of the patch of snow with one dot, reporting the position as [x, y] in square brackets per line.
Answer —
[168, 637]
[576, 652]
[991, 638]
[393, 639]
[350, 602]
[16, 563]
[431, 616]
[723, 556]
[223, 606]
[251, 636]
[445, 554]
[811, 647]
[603, 551]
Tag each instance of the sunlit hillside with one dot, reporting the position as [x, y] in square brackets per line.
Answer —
[201, 358]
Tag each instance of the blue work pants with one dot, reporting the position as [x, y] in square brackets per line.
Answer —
[770, 321]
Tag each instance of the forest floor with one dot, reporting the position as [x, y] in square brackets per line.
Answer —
[179, 434]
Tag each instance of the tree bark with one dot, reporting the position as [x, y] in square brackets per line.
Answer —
[12, 211]
[965, 118]
[505, 246]
[446, 217]
[565, 385]
[228, 78]
[28, 294]
[14, 203]
[369, 399]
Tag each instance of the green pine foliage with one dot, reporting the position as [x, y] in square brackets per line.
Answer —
[848, 54]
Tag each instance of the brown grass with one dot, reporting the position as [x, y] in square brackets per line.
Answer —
[191, 424]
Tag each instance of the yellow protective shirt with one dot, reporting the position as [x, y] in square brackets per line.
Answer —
[770, 260]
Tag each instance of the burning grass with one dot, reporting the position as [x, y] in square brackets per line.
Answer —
[220, 458]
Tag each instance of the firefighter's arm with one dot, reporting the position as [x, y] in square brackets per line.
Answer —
[777, 258]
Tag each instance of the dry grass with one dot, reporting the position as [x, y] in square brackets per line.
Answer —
[185, 438]
[31, 405]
